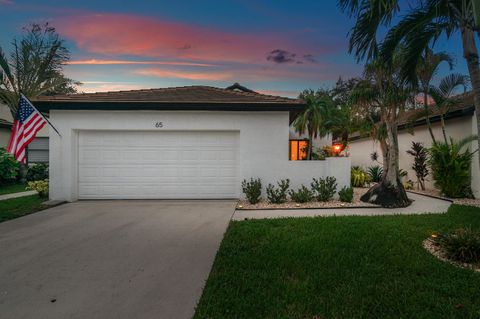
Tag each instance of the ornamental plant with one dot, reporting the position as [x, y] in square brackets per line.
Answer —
[359, 177]
[419, 165]
[302, 195]
[40, 186]
[346, 194]
[37, 172]
[324, 188]
[8, 168]
[461, 245]
[278, 195]
[252, 190]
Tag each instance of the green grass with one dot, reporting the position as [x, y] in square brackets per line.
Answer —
[21, 206]
[14, 188]
[340, 267]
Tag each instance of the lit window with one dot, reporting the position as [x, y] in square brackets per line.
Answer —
[298, 150]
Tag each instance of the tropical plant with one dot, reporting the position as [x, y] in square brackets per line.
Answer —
[461, 245]
[312, 119]
[40, 186]
[450, 164]
[358, 176]
[324, 188]
[425, 22]
[302, 195]
[346, 194]
[252, 190]
[375, 173]
[444, 99]
[426, 69]
[419, 165]
[8, 168]
[382, 96]
[278, 195]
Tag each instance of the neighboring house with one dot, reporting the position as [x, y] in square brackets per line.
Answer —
[185, 142]
[460, 122]
[37, 151]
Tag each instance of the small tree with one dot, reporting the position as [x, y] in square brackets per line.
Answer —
[419, 165]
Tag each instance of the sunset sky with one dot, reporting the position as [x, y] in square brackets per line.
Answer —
[275, 47]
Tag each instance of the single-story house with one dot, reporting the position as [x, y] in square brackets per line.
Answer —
[184, 142]
[37, 150]
[460, 123]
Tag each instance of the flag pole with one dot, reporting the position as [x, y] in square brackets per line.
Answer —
[41, 115]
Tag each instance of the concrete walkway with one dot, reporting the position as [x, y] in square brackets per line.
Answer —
[110, 259]
[16, 195]
[421, 205]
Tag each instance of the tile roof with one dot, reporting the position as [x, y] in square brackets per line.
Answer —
[185, 94]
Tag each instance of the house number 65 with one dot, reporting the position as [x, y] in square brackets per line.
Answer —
[158, 124]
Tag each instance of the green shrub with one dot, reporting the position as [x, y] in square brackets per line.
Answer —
[375, 173]
[461, 245]
[252, 190]
[37, 172]
[40, 186]
[450, 166]
[302, 195]
[278, 195]
[324, 188]
[359, 177]
[420, 156]
[346, 194]
[8, 168]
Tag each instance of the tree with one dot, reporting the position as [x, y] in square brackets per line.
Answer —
[383, 96]
[426, 70]
[444, 97]
[34, 67]
[425, 22]
[312, 119]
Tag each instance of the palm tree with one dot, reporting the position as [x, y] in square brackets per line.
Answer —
[425, 23]
[35, 66]
[312, 119]
[426, 70]
[444, 99]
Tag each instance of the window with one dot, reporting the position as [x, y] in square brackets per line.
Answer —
[37, 151]
[298, 150]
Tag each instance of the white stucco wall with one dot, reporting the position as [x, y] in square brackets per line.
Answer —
[318, 142]
[458, 128]
[264, 148]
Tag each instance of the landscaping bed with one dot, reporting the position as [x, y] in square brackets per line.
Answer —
[334, 203]
[340, 267]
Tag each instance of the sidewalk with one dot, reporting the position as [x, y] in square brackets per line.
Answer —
[16, 195]
[421, 205]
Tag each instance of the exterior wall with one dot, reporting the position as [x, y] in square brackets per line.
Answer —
[4, 136]
[264, 148]
[458, 128]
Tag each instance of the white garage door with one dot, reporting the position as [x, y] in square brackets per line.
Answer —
[145, 164]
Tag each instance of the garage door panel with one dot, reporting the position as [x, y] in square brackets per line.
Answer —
[163, 164]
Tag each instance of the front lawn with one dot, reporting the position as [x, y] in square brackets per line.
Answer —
[17, 207]
[340, 267]
[14, 188]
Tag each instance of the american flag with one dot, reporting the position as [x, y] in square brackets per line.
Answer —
[28, 121]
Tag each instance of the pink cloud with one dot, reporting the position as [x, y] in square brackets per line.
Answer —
[196, 76]
[121, 34]
[128, 62]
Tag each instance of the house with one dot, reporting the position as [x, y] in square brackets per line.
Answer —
[184, 142]
[460, 123]
[37, 150]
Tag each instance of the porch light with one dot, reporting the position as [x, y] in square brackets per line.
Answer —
[337, 148]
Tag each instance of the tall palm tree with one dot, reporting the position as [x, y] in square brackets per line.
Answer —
[312, 119]
[426, 70]
[383, 94]
[425, 23]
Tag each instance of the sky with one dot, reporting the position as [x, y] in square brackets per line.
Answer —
[275, 47]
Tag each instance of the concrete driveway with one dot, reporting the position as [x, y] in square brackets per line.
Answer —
[110, 259]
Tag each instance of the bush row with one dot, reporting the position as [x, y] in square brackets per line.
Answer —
[321, 189]
[9, 170]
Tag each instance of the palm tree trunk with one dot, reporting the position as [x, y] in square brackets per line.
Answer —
[470, 53]
[390, 191]
[444, 132]
[427, 119]
[310, 146]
